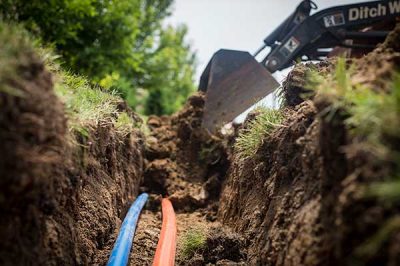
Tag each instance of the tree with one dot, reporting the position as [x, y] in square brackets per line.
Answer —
[118, 43]
[173, 62]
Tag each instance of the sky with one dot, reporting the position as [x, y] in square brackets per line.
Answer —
[234, 24]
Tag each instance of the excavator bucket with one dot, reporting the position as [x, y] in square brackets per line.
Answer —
[233, 81]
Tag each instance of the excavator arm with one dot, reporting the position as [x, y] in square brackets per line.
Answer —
[317, 35]
[234, 80]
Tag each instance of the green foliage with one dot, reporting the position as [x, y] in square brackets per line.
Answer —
[388, 191]
[193, 241]
[174, 68]
[121, 43]
[251, 137]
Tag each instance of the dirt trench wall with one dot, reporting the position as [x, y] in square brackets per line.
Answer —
[269, 196]
[62, 196]
[298, 199]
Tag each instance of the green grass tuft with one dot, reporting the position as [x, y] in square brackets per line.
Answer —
[193, 241]
[124, 124]
[86, 105]
[387, 191]
[251, 138]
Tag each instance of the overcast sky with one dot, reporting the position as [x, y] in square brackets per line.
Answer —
[233, 24]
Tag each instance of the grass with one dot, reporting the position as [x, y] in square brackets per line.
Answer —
[251, 138]
[86, 105]
[192, 241]
[124, 124]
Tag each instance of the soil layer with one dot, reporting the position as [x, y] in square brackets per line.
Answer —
[62, 194]
[297, 200]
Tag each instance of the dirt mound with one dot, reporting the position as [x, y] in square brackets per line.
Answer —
[259, 192]
[298, 199]
[185, 161]
[62, 195]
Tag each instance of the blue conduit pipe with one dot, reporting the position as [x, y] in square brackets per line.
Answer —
[122, 247]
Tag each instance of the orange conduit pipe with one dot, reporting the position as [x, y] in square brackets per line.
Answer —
[166, 247]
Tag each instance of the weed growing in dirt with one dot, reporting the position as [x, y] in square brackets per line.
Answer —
[251, 137]
[193, 241]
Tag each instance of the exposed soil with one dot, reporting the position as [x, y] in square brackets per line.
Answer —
[146, 238]
[183, 156]
[298, 199]
[187, 164]
[62, 195]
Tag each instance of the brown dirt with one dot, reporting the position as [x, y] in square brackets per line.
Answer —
[187, 164]
[184, 161]
[221, 243]
[296, 202]
[61, 202]
[298, 199]
[146, 238]
[63, 195]
[181, 154]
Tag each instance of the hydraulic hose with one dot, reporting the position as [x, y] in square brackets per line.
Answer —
[166, 247]
[122, 247]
